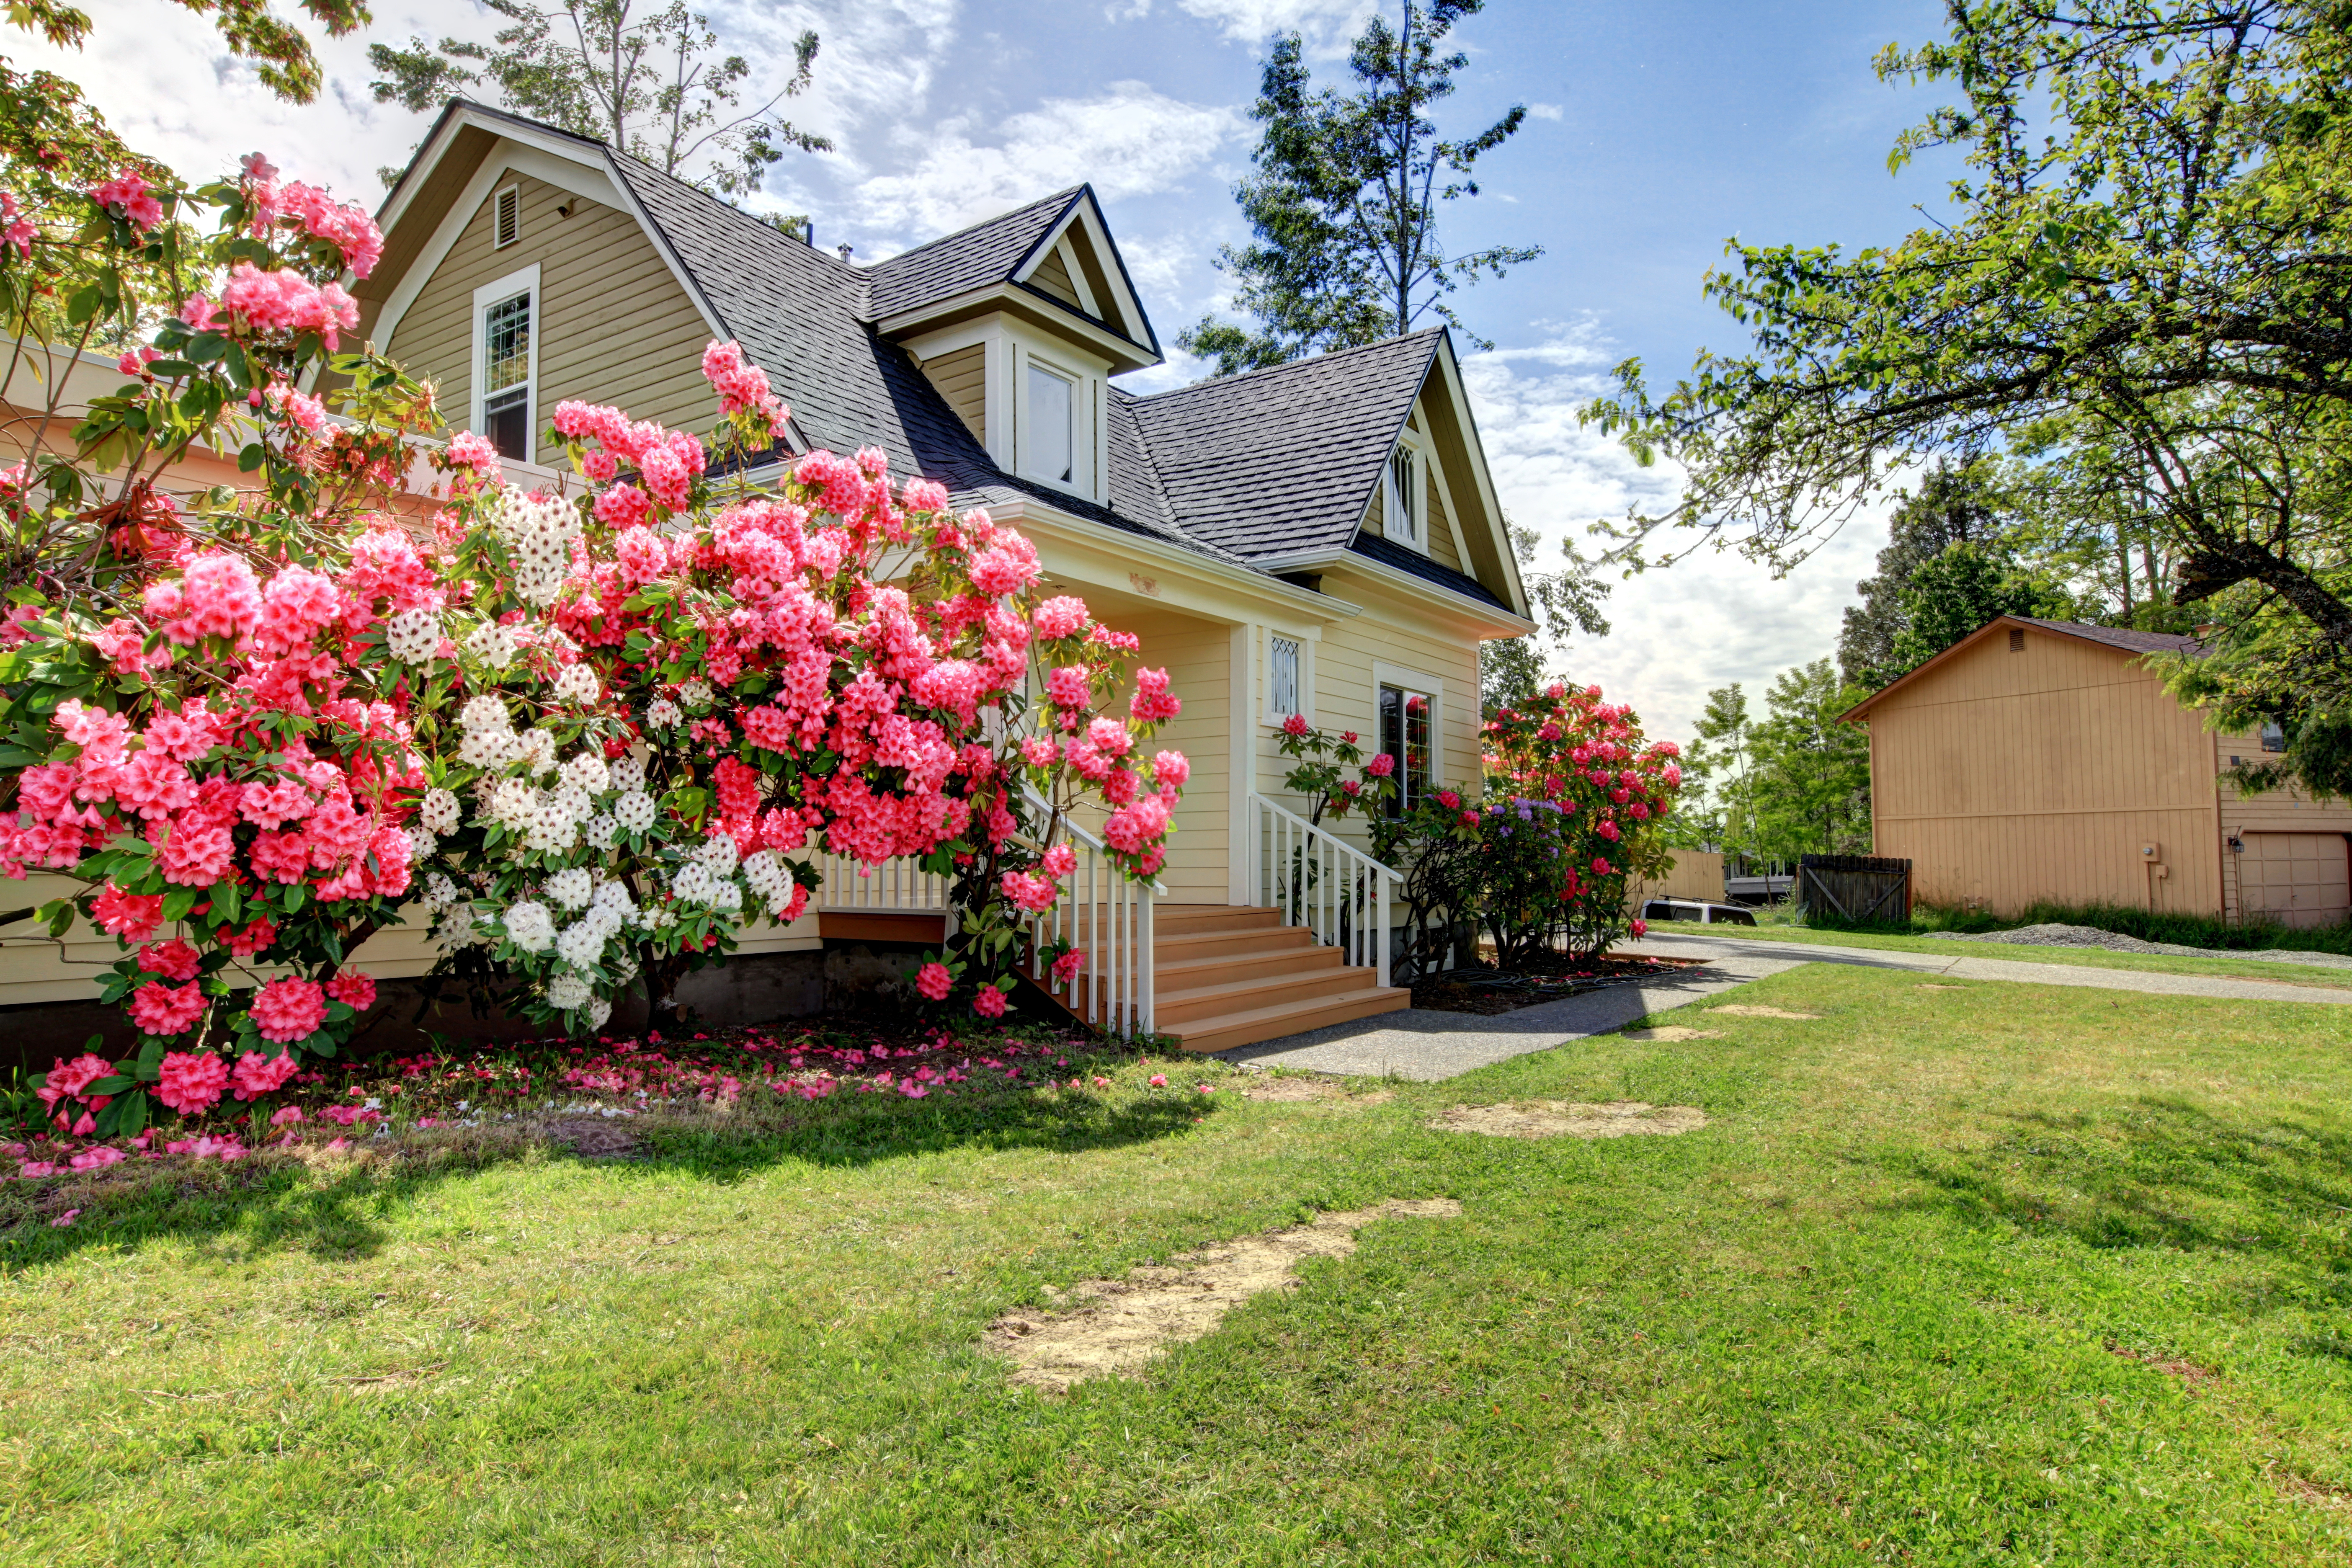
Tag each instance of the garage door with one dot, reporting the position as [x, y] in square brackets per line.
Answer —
[2297, 878]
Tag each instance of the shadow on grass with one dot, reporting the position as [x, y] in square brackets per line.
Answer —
[2162, 1173]
[339, 1210]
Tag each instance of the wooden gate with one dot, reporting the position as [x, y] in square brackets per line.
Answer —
[1857, 888]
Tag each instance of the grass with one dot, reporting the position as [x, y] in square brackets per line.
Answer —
[1912, 1296]
[2167, 927]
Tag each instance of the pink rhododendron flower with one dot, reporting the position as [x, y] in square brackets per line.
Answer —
[174, 960]
[133, 917]
[127, 195]
[257, 1075]
[350, 986]
[288, 1010]
[1381, 766]
[989, 1002]
[191, 1083]
[1294, 726]
[1061, 616]
[1640, 928]
[160, 1009]
[1059, 862]
[1066, 967]
[934, 981]
[1159, 1080]
[286, 1116]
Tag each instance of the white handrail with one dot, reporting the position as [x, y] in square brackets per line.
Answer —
[1318, 879]
[1108, 917]
[894, 884]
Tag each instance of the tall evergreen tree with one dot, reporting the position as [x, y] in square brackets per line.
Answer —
[1811, 773]
[652, 84]
[1344, 205]
[1953, 504]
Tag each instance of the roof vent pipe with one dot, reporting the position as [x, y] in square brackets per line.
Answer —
[845, 251]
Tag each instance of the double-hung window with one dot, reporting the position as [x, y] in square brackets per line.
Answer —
[1406, 717]
[1053, 412]
[506, 361]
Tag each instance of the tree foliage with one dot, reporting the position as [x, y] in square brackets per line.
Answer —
[651, 84]
[2144, 283]
[1347, 195]
[281, 56]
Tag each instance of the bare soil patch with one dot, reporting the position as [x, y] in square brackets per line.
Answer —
[1939, 988]
[2192, 1376]
[1293, 1090]
[1671, 1032]
[1123, 1324]
[591, 1137]
[1573, 1118]
[1751, 1010]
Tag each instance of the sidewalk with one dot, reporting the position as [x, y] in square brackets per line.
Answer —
[1427, 1045]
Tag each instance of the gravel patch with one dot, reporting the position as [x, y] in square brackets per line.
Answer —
[2053, 935]
[1573, 1118]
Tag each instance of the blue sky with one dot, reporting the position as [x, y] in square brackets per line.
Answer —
[1657, 131]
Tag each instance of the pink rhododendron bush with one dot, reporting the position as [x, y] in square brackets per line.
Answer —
[594, 734]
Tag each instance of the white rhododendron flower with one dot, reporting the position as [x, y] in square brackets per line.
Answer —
[717, 853]
[573, 802]
[487, 748]
[578, 684]
[571, 888]
[661, 713]
[569, 991]
[439, 811]
[537, 530]
[627, 771]
[725, 896]
[538, 751]
[580, 946]
[695, 693]
[693, 882]
[511, 804]
[553, 827]
[457, 929]
[493, 645]
[614, 896]
[599, 1009]
[439, 891]
[599, 830]
[633, 811]
[413, 637]
[587, 771]
[421, 843]
[485, 712]
[529, 927]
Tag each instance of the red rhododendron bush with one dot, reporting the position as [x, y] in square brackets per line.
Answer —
[595, 733]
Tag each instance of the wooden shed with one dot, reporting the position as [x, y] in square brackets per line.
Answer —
[2044, 760]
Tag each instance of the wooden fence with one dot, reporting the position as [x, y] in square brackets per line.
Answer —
[1858, 888]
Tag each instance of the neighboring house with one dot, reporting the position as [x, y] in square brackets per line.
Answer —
[1321, 537]
[2044, 760]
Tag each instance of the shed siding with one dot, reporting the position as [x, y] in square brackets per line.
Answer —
[2008, 777]
[615, 326]
[962, 379]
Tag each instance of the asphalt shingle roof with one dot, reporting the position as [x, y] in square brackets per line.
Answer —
[1270, 462]
[1273, 462]
[974, 258]
[1405, 559]
[2124, 637]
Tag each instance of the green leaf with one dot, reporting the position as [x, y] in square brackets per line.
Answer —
[114, 1084]
[228, 902]
[151, 1060]
[177, 903]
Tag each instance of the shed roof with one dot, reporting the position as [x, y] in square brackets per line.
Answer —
[2122, 639]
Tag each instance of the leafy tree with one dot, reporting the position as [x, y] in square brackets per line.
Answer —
[1344, 205]
[650, 84]
[1718, 774]
[281, 54]
[1809, 788]
[1962, 504]
[2148, 272]
[1950, 595]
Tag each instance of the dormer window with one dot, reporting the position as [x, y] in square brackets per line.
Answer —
[1052, 435]
[1401, 517]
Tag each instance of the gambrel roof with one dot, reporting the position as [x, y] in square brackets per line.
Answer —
[1258, 469]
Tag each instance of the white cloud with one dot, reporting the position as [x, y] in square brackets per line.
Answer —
[1129, 139]
[1713, 618]
[1545, 110]
[1327, 24]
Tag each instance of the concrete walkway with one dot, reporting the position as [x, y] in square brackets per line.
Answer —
[1426, 1044]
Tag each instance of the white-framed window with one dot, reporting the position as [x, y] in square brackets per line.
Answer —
[506, 361]
[1401, 500]
[506, 218]
[1050, 430]
[1410, 705]
[1286, 661]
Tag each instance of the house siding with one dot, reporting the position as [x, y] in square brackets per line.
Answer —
[1054, 279]
[614, 322]
[962, 379]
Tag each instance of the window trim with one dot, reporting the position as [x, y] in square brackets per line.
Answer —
[1268, 715]
[1417, 505]
[498, 200]
[524, 282]
[1406, 679]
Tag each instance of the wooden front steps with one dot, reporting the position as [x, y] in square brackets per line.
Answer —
[1233, 975]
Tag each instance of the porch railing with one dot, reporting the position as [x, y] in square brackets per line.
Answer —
[1319, 881]
[892, 886]
[1106, 917]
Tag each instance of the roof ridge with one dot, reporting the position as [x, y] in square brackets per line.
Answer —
[1065, 196]
[1265, 370]
[1151, 463]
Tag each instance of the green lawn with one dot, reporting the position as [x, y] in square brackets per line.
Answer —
[2278, 972]
[1902, 1300]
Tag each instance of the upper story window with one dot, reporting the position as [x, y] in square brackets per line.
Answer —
[1052, 435]
[1401, 498]
[506, 361]
[2273, 737]
[1283, 665]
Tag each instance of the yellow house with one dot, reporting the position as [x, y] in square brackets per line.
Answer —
[1321, 537]
[2044, 760]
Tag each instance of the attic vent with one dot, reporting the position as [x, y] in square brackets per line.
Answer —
[2016, 640]
[506, 223]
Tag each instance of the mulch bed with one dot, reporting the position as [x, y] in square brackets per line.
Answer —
[1488, 990]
